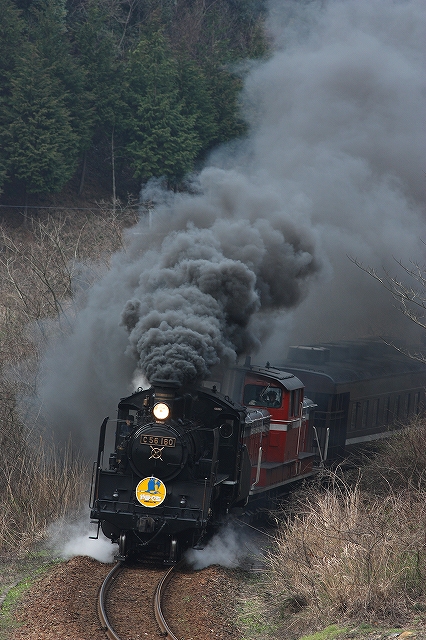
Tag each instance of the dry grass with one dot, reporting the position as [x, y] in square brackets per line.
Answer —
[401, 461]
[357, 550]
[38, 485]
[349, 556]
[42, 266]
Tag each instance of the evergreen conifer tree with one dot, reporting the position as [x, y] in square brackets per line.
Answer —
[41, 143]
[197, 100]
[12, 42]
[225, 88]
[161, 139]
[99, 53]
[49, 34]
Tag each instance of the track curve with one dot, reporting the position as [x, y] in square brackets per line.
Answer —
[107, 627]
[162, 583]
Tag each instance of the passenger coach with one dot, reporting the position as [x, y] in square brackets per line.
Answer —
[362, 389]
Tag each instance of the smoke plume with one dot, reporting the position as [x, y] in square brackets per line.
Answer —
[224, 255]
[256, 253]
[338, 120]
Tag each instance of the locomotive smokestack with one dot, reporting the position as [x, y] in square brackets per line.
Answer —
[166, 392]
[165, 388]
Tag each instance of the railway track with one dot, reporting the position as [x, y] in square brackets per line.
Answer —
[165, 630]
[108, 583]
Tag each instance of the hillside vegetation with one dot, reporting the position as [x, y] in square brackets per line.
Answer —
[42, 266]
[350, 552]
[118, 92]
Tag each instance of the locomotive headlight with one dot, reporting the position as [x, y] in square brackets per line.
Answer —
[161, 411]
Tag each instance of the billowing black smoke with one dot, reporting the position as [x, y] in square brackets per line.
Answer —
[193, 307]
[337, 119]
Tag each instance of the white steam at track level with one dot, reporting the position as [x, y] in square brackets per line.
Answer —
[257, 253]
[229, 547]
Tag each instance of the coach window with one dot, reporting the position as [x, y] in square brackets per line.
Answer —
[293, 408]
[386, 410]
[416, 407]
[407, 399]
[376, 406]
[364, 418]
[397, 406]
[354, 415]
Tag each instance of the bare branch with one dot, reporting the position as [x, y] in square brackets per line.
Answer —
[411, 299]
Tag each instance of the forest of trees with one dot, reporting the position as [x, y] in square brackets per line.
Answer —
[120, 89]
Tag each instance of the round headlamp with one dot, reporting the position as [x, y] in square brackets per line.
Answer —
[161, 411]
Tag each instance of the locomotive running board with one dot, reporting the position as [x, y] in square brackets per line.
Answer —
[258, 490]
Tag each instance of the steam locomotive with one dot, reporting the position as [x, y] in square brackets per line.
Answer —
[185, 458]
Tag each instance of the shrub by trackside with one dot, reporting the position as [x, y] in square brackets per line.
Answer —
[349, 555]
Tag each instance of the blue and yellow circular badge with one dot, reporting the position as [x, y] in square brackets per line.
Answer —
[151, 492]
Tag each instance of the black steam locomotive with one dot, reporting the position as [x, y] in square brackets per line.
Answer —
[180, 464]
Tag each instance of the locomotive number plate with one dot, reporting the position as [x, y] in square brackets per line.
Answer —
[158, 441]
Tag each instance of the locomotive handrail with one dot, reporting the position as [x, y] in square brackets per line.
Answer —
[204, 501]
[101, 447]
[259, 462]
[102, 439]
[323, 456]
[92, 492]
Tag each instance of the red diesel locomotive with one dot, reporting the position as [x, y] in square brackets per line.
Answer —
[285, 452]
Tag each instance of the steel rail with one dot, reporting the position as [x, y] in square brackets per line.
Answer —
[166, 632]
[101, 602]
